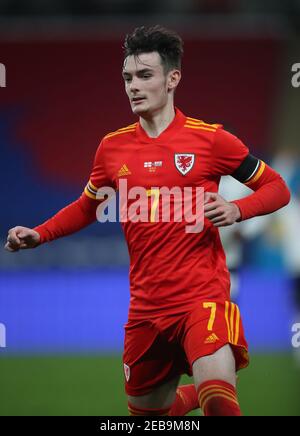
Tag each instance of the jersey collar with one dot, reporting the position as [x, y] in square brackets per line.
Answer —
[173, 128]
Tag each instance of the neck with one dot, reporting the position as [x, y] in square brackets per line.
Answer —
[158, 122]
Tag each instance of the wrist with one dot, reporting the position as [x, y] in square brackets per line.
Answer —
[238, 213]
[39, 236]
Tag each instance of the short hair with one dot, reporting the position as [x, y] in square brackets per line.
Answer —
[166, 42]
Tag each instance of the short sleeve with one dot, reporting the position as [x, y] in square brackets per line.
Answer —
[228, 152]
[98, 178]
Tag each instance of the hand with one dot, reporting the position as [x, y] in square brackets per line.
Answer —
[219, 211]
[21, 238]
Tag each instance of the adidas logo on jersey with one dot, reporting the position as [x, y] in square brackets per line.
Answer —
[212, 339]
[124, 171]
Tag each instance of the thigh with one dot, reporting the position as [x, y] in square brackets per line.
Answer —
[215, 329]
[152, 366]
[161, 397]
[218, 366]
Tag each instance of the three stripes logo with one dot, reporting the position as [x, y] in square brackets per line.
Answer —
[232, 317]
[193, 123]
[212, 339]
[124, 171]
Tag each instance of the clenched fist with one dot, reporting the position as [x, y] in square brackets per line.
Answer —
[219, 211]
[20, 238]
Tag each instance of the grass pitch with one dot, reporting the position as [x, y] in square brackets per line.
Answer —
[93, 385]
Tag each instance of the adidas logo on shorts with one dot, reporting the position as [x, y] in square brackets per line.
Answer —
[212, 339]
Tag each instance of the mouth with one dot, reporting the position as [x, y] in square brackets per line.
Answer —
[137, 100]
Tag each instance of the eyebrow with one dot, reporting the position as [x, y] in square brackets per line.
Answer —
[144, 70]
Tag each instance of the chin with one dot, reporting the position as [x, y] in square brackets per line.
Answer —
[140, 111]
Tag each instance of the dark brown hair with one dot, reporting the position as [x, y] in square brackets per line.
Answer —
[166, 42]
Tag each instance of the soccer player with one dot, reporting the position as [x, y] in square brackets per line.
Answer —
[181, 319]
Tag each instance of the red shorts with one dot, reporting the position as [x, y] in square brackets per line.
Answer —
[158, 350]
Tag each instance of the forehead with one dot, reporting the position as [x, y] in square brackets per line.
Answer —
[144, 60]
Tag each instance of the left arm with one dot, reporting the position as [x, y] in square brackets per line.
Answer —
[270, 194]
[270, 191]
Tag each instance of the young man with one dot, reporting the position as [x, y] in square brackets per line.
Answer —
[180, 316]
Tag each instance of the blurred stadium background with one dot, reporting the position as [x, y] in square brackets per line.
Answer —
[64, 304]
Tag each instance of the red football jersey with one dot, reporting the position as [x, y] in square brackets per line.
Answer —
[170, 270]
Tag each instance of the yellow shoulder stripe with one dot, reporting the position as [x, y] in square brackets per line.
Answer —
[209, 129]
[129, 128]
[110, 135]
[193, 121]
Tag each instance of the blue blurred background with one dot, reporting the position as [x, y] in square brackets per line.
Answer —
[68, 300]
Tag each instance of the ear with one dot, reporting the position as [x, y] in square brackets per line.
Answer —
[173, 79]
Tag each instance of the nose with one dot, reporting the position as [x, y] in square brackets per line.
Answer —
[134, 85]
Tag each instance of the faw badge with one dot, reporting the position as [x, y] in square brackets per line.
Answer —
[184, 162]
[127, 372]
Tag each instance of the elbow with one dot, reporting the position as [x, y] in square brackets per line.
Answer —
[286, 194]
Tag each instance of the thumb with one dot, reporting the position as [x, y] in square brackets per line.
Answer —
[208, 196]
[23, 234]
